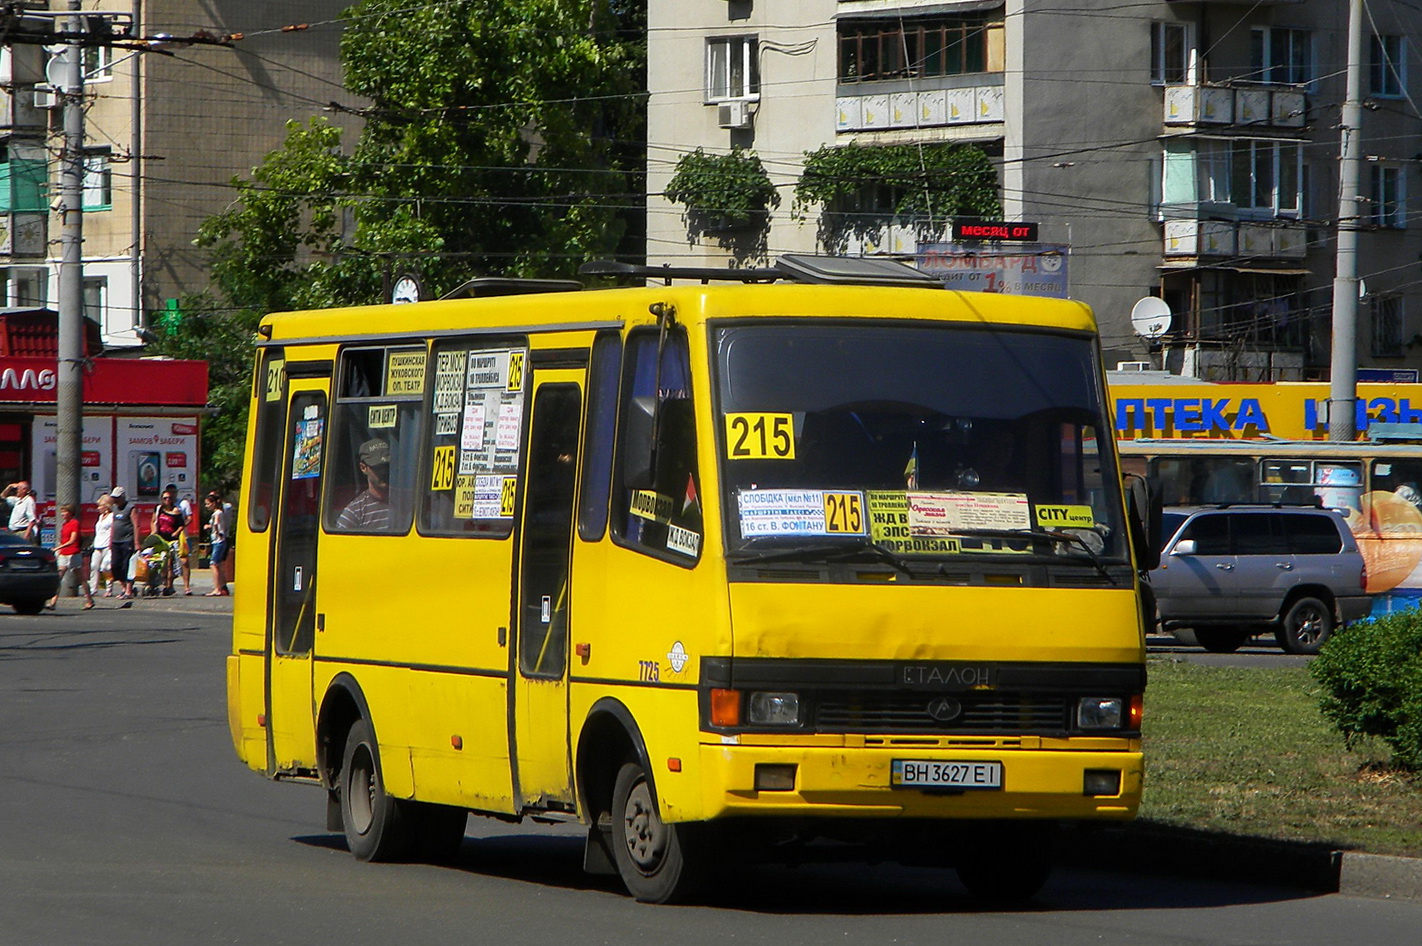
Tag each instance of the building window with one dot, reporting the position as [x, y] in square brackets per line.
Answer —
[98, 63]
[23, 183]
[732, 69]
[1281, 56]
[96, 290]
[98, 180]
[1171, 52]
[1387, 326]
[900, 48]
[1389, 202]
[1387, 66]
[25, 286]
[1261, 178]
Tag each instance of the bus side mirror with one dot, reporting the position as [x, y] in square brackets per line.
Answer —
[639, 462]
[1144, 507]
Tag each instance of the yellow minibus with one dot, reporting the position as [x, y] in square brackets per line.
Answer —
[715, 569]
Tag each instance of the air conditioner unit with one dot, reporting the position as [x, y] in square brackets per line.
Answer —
[46, 97]
[733, 115]
[1134, 366]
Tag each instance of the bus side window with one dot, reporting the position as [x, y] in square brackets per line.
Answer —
[1401, 477]
[374, 441]
[604, 372]
[666, 519]
[270, 390]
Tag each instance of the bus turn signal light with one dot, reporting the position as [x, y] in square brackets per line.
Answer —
[1137, 711]
[725, 707]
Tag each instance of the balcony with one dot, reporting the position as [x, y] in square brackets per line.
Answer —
[1217, 107]
[883, 111]
[1254, 240]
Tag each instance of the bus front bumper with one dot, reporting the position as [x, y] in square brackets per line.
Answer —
[857, 783]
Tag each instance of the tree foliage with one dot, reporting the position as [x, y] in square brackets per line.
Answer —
[723, 190]
[862, 188]
[501, 137]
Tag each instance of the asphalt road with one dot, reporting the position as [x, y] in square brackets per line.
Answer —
[126, 819]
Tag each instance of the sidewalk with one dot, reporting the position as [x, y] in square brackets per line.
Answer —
[198, 601]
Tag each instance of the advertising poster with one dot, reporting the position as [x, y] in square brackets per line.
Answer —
[151, 452]
[96, 473]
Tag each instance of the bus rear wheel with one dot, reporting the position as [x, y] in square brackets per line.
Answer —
[376, 826]
[654, 859]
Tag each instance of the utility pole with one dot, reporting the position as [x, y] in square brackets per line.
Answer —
[69, 390]
[1343, 384]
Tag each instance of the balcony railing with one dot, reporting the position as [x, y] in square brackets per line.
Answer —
[1228, 106]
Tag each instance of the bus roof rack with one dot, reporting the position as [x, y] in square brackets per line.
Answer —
[799, 268]
[483, 287]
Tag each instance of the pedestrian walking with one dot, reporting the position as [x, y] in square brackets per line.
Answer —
[121, 540]
[68, 554]
[101, 574]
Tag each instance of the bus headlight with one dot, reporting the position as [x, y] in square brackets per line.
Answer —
[1094, 712]
[773, 709]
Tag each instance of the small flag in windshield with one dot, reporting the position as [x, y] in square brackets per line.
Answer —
[911, 471]
[690, 502]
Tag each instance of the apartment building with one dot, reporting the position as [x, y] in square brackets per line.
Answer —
[1182, 150]
[167, 128]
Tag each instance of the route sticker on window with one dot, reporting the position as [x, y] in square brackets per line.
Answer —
[752, 436]
[1065, 517]
[442, 472]
[951, 513]
[800, 512]
[381, 417]
[405, 373]
[651, 506]
[889, 527]
[681, 540]
[464, 497]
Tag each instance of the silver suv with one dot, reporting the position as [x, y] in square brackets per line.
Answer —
[1229, 572]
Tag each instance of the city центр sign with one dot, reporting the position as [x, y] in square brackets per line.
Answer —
[987, 230]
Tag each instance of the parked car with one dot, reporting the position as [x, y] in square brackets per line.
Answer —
[1230, 572]
[28, 574]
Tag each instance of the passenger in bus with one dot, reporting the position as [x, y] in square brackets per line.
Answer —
[369, 511]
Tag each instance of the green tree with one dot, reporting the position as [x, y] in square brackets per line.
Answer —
[501, 137]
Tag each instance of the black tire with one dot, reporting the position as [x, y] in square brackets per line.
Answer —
[1307, 623]
[437, 831]
[28, 605]
[653, 857]
[1221, 640]
[1007, 862]
[377, 827]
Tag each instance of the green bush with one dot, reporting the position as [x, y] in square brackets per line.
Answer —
[1371, 674]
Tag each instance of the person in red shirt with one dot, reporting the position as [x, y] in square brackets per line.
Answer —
[69, 553]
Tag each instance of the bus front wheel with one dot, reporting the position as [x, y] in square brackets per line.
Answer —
[654, 859]
[375, 824]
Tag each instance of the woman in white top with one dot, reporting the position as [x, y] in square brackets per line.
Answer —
[100, 563]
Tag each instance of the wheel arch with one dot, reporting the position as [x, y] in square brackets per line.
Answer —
[1321, 592]
[343, 703]
[609, 737]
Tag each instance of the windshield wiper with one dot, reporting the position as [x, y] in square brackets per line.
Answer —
[824, 553]
[1063, 538]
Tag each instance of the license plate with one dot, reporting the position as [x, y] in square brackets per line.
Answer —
[911, 773]
[24, 565]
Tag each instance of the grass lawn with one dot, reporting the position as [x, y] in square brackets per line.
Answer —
[1246, 751]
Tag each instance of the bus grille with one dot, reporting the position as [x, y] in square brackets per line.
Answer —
[965, 713]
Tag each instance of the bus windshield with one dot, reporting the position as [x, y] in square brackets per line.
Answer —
[920, 440]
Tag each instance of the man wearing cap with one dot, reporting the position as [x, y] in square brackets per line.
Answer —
[370, 510]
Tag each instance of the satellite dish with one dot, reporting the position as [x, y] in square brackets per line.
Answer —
[1150, 317]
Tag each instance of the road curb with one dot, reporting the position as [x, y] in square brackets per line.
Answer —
[1381, 877]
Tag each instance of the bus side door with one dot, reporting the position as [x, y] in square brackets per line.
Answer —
[291, 611]
[540, 691]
